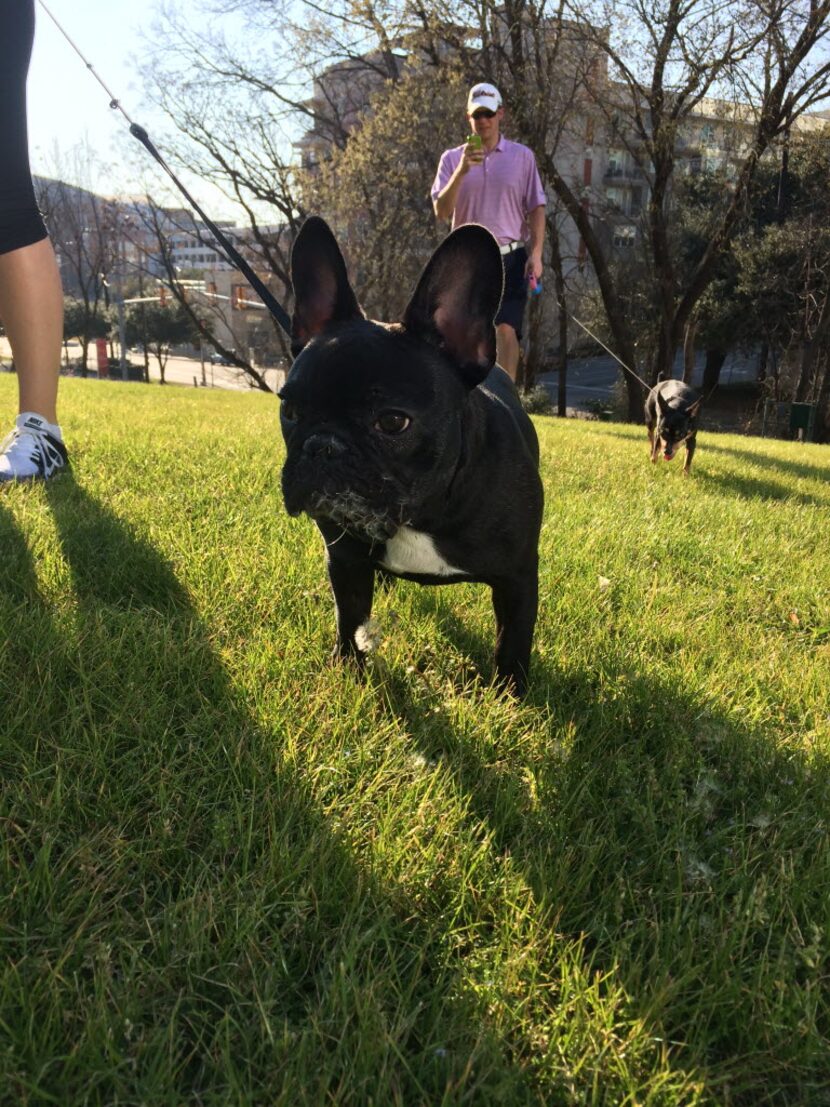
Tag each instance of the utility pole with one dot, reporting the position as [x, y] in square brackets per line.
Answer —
[122, 332]
[119, 288]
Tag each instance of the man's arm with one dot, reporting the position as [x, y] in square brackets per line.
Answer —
[444, 203]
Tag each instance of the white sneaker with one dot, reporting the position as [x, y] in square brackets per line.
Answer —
[33, 449]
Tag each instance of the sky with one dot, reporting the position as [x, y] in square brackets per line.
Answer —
[67, 106]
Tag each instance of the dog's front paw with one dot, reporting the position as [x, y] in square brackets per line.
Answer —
[348, 652]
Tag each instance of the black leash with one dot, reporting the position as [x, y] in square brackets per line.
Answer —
[230, 251]
[232, 255]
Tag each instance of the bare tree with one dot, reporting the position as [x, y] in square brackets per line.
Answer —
[760, 65]
[151, 229]
[784, 279]
[577, 75]
[82, 227]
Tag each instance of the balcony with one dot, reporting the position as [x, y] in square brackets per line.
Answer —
[623, 174]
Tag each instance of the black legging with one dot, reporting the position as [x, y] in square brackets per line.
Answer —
[20, 221]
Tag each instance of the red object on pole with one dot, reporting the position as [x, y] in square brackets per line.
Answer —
[103, 357]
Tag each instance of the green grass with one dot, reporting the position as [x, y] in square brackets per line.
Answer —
[234, 874]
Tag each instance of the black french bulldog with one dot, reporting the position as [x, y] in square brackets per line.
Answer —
[672, 408]
[407, 444]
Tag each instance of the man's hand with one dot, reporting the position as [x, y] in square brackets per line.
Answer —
[533, 265]
[444, 203]
[472, 155]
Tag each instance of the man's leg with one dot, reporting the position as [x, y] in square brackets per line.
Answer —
[507, 349]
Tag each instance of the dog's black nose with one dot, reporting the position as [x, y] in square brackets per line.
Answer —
[323, 445]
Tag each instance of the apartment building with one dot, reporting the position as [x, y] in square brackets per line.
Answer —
[714, 138]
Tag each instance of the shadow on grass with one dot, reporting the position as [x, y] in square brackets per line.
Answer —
[741, 484]
[181, 923]
[750, 488]
[796, 468]
[689, 849]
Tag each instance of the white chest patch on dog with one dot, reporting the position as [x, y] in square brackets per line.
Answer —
[412, 551]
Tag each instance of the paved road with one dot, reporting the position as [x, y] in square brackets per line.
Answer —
[179, 370]
[594, 378]
[589, 378]
[189, 371]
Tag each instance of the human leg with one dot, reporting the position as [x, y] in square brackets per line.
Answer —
[31, 307]
[507, 349]
[31, 297]
[511, 312]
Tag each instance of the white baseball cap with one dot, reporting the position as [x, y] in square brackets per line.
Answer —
[483, 96]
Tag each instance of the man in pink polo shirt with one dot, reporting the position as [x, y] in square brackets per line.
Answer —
[497, 185]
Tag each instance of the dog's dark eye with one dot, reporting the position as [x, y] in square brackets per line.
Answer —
[392, 422]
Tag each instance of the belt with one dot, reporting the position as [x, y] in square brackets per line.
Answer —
[509, 247]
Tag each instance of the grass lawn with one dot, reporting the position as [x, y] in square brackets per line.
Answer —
[234, 874]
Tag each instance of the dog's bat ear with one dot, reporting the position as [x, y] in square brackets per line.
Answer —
[456, 299]
[322, 293]
[694, 410]
[663, 403]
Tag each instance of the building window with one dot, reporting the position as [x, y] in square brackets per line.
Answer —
[616, 163]
[707, 134]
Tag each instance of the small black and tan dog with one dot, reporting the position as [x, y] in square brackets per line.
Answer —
[672, 408]
[406, 443]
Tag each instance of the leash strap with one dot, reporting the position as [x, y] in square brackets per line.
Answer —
[230, 251]
[647, 387]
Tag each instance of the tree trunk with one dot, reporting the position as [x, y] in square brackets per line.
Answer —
[664, 355]
[805, 370]
[711, 370]
[689, 351]
[614, 308]
[822, 423]
[763, 358]
[520, 372]
[562, 311]
[562, 384]
[535, 346]
[809, 349]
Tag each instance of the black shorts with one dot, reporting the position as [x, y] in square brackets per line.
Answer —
[20, 220]
[513, 301]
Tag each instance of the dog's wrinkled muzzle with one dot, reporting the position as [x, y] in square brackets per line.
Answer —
[318, 481]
